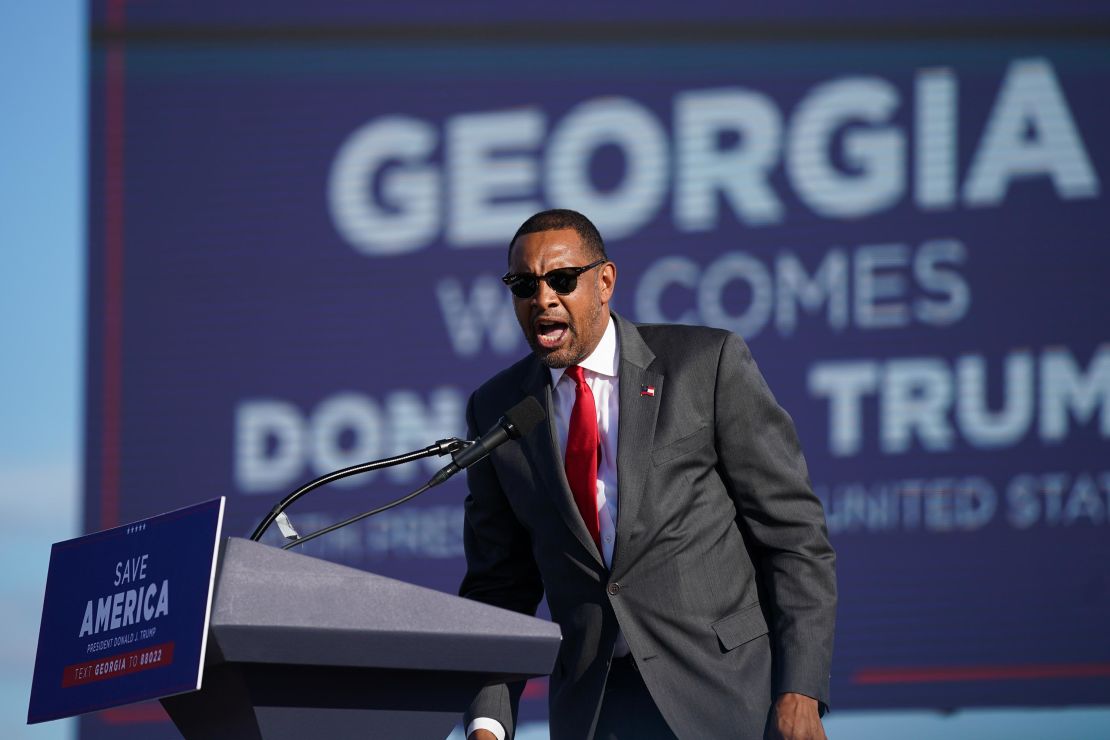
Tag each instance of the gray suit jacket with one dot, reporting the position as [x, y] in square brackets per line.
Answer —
[722, 578]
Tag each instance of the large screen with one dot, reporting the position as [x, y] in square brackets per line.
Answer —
[295, 246]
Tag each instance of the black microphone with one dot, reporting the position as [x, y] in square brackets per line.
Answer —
[517, 421]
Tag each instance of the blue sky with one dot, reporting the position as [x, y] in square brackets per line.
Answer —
[42, 53]
[41, 230]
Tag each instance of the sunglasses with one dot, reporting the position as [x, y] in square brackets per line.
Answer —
[563, 281]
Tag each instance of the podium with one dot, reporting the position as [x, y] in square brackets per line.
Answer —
[300, 647]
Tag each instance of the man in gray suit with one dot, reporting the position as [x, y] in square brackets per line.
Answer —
[664, 508]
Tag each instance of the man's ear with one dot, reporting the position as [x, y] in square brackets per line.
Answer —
[606, 281]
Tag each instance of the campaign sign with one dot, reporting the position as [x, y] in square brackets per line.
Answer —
[125, 616]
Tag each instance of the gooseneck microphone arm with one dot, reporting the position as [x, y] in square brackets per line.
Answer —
[357, 517]
[517, 421]
[441, 447]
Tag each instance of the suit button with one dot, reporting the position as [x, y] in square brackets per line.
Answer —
[614, 587]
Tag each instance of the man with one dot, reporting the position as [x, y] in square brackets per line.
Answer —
[664, 509]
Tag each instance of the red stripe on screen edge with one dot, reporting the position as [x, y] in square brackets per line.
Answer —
[948, 674]
[536, 688]
[112, 342]
[134, 714]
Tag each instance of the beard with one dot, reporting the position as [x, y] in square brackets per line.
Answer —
[574, 348]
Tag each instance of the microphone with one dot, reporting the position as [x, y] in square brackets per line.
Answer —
[277, 514]
[517, 421]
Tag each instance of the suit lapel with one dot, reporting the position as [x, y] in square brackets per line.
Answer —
[541, 448]
[636, 429]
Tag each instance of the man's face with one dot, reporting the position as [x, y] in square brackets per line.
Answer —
[562, 329]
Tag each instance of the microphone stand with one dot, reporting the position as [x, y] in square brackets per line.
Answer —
[359, 517]
[441, 447]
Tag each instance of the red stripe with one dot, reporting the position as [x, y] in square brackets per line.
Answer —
[134, 714]
[536, 688]
[942, 674]
[114, 666]
[113, 271]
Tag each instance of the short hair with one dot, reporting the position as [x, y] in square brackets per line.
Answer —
[563, 218]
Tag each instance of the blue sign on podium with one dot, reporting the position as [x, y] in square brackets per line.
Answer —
[125, 615]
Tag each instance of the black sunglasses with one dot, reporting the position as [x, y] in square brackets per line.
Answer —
[563, 281]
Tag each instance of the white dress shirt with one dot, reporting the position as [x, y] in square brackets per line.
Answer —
[603, 377]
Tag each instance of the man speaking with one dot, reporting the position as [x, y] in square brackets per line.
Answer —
[664, 509]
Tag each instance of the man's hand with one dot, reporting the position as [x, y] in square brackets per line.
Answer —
[482, 735]
[795, 717]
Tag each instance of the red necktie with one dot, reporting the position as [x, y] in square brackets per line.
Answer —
[582, 452]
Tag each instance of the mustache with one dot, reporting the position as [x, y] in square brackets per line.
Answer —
[550, 319]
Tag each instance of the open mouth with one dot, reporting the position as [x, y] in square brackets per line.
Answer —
[550, 334]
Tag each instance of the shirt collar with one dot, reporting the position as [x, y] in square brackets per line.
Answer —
[603, 360]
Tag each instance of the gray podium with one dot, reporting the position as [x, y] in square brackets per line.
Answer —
[303, 648]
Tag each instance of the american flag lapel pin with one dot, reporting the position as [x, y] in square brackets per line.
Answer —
[647, 390]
